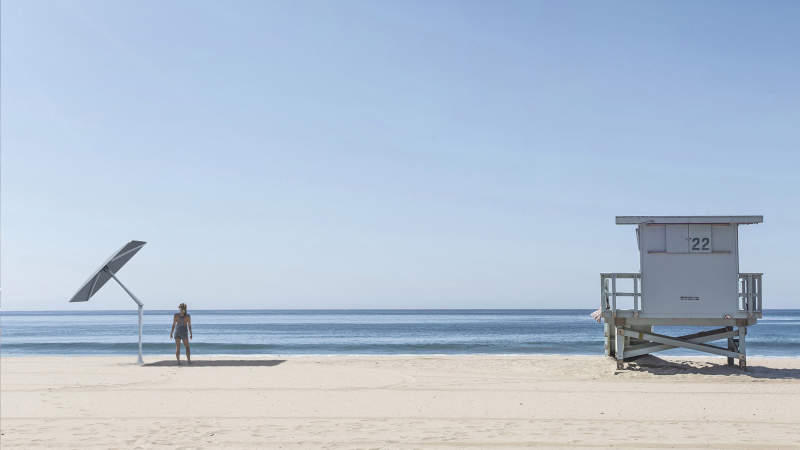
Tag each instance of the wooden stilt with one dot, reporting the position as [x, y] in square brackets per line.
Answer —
[731, 346]
[742, 348]
[620, 351]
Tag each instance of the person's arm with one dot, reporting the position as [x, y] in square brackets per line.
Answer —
[174, 319]
[189, 323]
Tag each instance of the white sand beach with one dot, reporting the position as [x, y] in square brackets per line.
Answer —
[397, 402]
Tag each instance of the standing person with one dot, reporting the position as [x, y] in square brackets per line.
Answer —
[183, 333]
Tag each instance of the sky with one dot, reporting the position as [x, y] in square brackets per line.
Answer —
[381, 154]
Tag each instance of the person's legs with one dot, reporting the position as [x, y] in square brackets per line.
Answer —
[188, 352]
[178, 350]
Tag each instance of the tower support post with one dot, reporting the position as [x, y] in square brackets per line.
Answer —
[742, 348]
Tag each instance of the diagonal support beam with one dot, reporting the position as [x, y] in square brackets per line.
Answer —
[696, 338]
[679, 342]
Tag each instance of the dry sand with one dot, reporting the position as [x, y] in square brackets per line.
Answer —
[397, 402]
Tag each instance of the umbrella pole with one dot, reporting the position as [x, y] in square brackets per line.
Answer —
[140, 361]
[141, 307]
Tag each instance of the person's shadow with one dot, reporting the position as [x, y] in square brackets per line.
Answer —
[657, 366]
[219, 363]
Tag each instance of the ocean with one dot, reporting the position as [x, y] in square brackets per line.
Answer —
[420, 331]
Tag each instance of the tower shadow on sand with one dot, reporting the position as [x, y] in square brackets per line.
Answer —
[657, 366]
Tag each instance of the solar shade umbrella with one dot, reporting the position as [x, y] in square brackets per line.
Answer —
[108, 271]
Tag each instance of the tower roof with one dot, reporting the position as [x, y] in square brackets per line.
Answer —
[635, 220]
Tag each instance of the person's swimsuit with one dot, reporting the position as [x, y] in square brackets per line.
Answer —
[181, 329]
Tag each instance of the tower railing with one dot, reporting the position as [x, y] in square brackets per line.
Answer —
[608, 295]
[750, 292]
[749, 289]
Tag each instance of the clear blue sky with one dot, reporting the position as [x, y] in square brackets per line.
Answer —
[387, 154]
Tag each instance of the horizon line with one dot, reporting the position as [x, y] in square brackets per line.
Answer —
[133, 311]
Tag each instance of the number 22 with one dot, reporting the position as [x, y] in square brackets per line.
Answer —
[700, 244]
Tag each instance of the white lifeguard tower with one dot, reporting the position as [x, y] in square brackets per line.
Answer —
[689, 277]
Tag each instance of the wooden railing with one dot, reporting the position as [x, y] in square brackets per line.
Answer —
[608, 297]
[750, 293]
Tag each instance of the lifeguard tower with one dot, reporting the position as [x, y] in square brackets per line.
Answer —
[689, 277]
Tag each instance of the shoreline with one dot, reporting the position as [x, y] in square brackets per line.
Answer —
[397, 401]
[661, 355]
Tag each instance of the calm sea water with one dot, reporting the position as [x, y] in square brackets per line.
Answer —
[348, 331]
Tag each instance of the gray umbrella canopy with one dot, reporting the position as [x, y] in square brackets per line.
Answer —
[103, 274]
